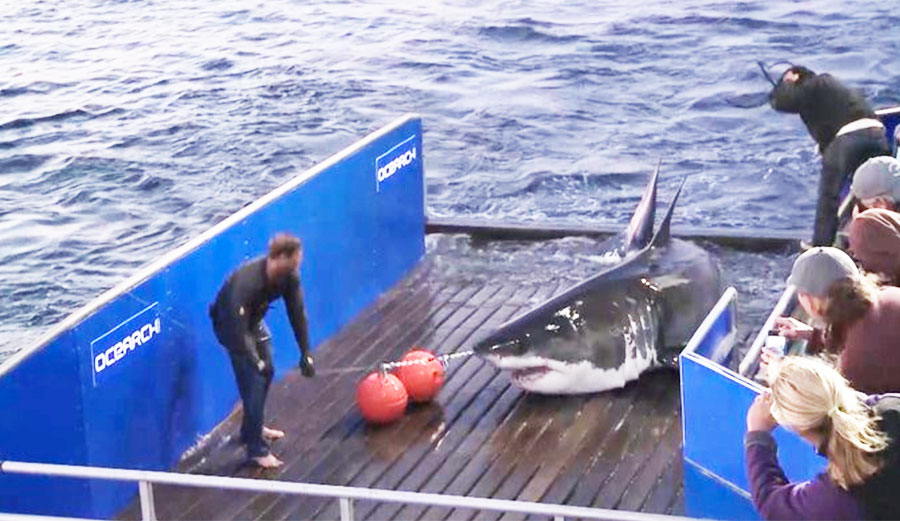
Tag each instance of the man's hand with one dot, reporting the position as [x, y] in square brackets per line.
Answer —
[261, 366]
[790, 76]
[767, 359]
[306, 366]
[793, 329]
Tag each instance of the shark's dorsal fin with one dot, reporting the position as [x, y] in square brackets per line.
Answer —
[640, 228]
[663, 234]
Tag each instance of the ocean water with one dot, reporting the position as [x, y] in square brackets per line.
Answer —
[128, 127]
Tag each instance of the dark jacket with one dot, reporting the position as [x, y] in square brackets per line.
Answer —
[243, 301]
[776, 498]
[874, 240]
[824, 104]
[870, 354]
[880, 494]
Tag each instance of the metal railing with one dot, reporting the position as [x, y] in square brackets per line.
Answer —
[752, 355]
[345, 495]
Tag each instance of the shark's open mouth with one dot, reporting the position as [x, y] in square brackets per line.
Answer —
[530, 372]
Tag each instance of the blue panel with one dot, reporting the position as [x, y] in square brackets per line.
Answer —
[146, 370]
[42, 422]
[714, 407]
[708, 498]
[890, 129]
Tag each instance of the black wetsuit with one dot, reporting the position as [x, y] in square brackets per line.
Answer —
[237, 317]
[825, 105]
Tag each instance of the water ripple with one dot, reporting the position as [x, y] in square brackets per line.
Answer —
[128, 130]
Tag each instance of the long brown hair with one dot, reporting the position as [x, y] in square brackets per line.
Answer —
[847, 301]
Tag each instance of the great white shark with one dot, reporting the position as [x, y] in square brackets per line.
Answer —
[608, 329]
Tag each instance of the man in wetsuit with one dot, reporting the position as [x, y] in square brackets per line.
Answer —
[842, 123]
[237, 317]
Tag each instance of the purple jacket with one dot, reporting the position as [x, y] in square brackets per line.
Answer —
[776, 498]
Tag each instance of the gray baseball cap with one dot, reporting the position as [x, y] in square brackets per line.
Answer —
[877, 177]
[818, 268]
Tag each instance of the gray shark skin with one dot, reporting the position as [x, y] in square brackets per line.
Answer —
[607, 330]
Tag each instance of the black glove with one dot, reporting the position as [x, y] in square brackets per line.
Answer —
[306, 366]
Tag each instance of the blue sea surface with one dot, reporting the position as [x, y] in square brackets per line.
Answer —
[128, 127]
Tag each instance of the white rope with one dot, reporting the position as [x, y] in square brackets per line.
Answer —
[390, 366]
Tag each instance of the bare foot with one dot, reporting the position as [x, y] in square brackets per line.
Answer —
[272, 434]
[267, 462]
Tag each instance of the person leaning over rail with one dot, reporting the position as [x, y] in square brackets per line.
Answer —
[843, 124]
[861, 321]
[237, 317]
[857, 434]
[874, 241]
[876, 183]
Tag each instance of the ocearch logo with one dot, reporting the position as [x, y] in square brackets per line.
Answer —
[117, 343]
[394, 160]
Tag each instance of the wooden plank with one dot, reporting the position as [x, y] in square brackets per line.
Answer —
[462, 414]
[374, 447]
[222, 455]
[494, 229]
[282, 507]
[561, 411]
[644, 440]
[560, 455]
[676, 507]
[435, 476]
[461, 437]
[621, 403]
[662, 468]
[508, 450]
[307, 422]
[482, 437]
[349, 423]
[667, 496]
[645, 480]
[464, 384]
[519, 426]
[648, 402]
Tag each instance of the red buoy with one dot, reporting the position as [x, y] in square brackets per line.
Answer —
[424, 377]
[381, 397]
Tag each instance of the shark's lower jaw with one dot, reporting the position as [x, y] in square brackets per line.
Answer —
[531, 372]
[539, 375]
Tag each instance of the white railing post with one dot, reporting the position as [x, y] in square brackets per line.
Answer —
[148, 507]
[346, 509]
[559, 518]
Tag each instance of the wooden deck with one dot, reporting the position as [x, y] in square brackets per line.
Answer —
[482, 437]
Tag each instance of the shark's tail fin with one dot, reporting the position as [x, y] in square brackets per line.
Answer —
[663, 234]
[640, 228]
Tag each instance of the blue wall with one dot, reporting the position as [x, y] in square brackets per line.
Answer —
[714, 403]
[891, 119]
[361, 218]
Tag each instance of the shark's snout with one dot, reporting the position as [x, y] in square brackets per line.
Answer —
[493, 347]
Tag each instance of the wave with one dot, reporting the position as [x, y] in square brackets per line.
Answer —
[523, 33]
[76, 114]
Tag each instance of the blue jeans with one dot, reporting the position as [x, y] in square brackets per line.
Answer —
[253, 387]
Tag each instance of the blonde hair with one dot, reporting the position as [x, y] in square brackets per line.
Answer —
[810, 396]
